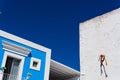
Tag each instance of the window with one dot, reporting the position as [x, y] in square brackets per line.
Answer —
[35, 64]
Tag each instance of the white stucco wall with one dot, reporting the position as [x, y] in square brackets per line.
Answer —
[100, 35]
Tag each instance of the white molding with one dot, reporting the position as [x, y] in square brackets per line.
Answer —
[64, 67]
[23, 41]
[14, 52]
[6, 54]
[33, 45]
[15, 48]
[38, 65]
[47, 65]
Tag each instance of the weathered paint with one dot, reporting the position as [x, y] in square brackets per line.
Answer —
[100, 35]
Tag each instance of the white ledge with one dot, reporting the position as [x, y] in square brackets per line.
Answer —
[15, 48]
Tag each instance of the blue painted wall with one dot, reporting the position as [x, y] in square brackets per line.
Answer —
[34, 53]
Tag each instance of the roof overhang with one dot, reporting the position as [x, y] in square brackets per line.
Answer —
[59, 71]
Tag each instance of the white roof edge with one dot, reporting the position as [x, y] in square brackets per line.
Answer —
[24, 41]
[65, 67]
[109, 12]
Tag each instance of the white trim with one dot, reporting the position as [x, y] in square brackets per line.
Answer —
[38, 65]
[47, 65]
[15, 48]
[23, 41]
[33, 45]
[14, 52]
[60, 70]
[64, 67]
[6, 54]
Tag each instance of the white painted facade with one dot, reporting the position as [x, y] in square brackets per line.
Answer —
[100, 35]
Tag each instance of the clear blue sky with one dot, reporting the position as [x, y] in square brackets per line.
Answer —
[52, 23]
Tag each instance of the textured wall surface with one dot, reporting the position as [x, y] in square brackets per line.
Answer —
[100, 35]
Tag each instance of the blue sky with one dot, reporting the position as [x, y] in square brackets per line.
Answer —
[52, 23]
